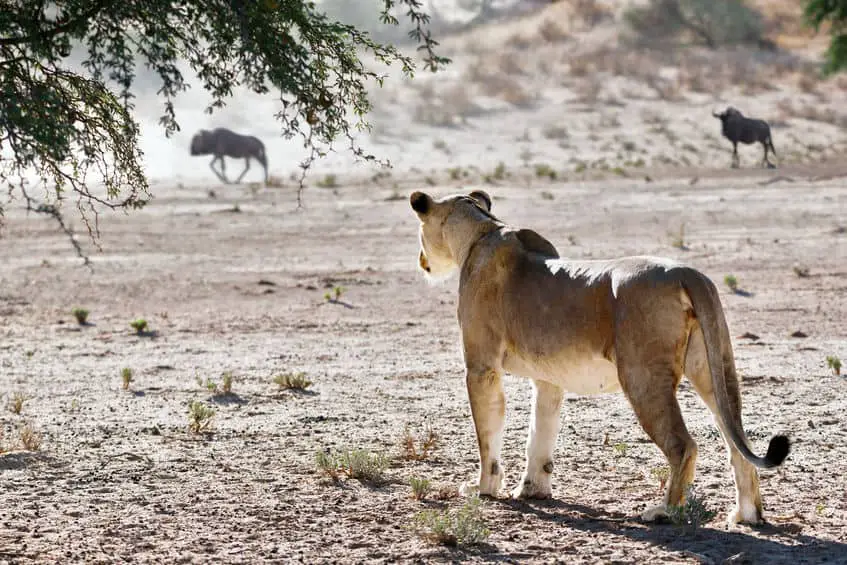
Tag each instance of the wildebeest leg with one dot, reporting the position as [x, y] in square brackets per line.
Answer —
[735, 159]
[246, 168]
[223, 168]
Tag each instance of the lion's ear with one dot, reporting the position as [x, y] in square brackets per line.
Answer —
[421, 203]
[482, 197]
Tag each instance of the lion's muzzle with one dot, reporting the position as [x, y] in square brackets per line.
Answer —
[424, 264]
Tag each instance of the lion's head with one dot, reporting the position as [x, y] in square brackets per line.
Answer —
[445, 225]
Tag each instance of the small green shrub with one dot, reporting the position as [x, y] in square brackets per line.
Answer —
[465, 526]
[834, 363]
[81, 315]
[544, 170]
[199, 417]
[620, 449]
[693, 513]
[661, 474]
[292, 381]
[499, 171]
[731, 282]
[355, 463]
[226, 383]
[139, 325]
[329, 181]
[126, 377]
[420, 487]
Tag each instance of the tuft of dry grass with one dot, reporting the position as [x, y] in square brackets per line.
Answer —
[292, 381]
[30, 439]
[16, 405]
[409, 444]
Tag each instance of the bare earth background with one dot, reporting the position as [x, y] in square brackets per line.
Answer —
[232, 278]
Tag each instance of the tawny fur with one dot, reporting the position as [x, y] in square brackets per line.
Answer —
[634, 324]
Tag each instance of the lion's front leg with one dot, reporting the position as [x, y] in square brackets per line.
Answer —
[488, 406]
[536, 481]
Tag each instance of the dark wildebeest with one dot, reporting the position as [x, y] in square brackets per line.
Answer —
[222, 142]
[737, 128]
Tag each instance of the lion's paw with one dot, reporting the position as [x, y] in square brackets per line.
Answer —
[486, 486]
[530, 489]
[745, 514]
[655, 514]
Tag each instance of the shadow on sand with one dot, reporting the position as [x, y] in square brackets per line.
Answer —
[766, 544]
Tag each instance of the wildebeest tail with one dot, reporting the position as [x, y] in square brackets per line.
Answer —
[770, 144]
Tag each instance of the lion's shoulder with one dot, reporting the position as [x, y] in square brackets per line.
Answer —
[533, 242]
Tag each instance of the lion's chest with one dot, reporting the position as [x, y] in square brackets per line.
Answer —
[574, 373]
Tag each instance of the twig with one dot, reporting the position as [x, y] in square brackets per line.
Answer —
[51, 210]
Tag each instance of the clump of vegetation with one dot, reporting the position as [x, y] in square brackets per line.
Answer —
[126, 377]
[499, 171]
[420, 487]
[355, 463]
[81, 315]
[692, 514]
[139, 325]
[661, 474]
[731, 282]
[30, 439]
[292, 381]
[712, 22]
[200, 417]
[17, 403]
[544, 170]
[801, 272]
[455, 173]
[329, 181]
[678, 238]
[620, 449]
[226, 383]
[834, 363]
[409, 445]
[465, 526]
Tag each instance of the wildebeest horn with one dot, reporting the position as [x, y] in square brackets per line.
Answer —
[715, 115]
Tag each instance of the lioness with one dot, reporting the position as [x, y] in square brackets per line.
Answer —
[635, 323]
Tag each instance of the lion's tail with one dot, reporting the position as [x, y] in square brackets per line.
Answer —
[707, 308]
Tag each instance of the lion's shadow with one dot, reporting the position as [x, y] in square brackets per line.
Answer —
[774, 543]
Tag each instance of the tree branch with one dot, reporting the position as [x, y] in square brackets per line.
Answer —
[60, 28]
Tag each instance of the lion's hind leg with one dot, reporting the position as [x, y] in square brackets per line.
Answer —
[649, 377]
[536, 481]
[748, 500]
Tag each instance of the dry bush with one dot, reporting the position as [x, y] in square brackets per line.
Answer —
[495, 85]
[409, 445]
[552, 32]
[812, 112]
[448, 110]
[807, 84]
[518, 41]
[590, 12]
[510, 63]
[696, 80]
[665, 89]
[588, 90]
[580, 66]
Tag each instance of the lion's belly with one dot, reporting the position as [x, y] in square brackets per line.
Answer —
[580, 375]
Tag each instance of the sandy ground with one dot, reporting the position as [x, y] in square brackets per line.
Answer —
[605, 149]
[118, 476]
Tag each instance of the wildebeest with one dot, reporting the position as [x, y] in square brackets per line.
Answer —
[222, 142]
[738, 128]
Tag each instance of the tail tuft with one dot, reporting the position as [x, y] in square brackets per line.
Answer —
[777, 450]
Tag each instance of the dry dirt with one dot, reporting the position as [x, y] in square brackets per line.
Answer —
[119, 478]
